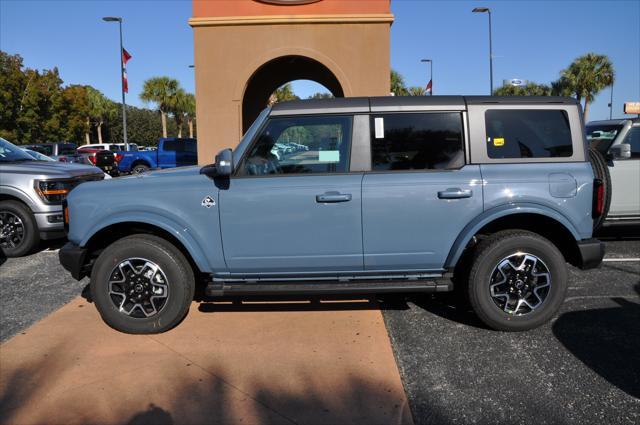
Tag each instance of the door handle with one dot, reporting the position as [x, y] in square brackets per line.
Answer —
[455, 193]
[333, 197]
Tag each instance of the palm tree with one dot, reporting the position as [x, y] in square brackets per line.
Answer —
[100, 110]
[161, 91]
[398, 87]
[416, 91]
[190, 111]
[585, 78]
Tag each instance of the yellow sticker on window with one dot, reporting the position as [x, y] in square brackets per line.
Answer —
[498, 141]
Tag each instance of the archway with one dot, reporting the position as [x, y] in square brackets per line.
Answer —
[277, 72]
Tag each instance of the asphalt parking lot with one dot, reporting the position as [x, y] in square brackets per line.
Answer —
[583, 367]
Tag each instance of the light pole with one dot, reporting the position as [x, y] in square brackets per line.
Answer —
[124, 105]
[483, 10]
[431, 76]
[611, 102]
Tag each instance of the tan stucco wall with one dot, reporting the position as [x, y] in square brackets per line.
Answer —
[227, 54]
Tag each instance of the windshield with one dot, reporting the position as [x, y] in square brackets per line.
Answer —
[602, 136]
[248, 136]
[11, 153]
[38, 155]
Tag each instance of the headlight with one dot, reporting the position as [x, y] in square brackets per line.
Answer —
[53, 191]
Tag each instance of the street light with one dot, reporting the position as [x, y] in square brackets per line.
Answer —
[487, 10]
[124, 105]
[431, 72]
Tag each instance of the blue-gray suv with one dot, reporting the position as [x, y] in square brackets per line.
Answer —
[357, 195]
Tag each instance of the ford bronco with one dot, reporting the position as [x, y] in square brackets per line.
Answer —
[355, 195]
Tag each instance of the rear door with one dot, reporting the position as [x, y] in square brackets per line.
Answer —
[293, 206]
[419, 194]
[625, 178]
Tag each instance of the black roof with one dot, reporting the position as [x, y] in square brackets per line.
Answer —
[367, 104]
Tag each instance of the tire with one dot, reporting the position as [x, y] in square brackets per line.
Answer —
[19, 233]
[601, 171]
[503, 311]
[140, 168]
[172, 281]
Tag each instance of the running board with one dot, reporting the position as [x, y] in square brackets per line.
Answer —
[217, 289]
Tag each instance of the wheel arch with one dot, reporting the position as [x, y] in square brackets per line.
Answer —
[109, 233]
[543, 221]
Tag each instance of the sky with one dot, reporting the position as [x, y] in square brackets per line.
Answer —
[532, 40]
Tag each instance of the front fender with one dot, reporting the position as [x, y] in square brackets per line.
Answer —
[169, 224]
[502, 211]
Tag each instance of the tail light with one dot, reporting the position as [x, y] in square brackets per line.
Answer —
[118, 157]
[92, 158]
[62, 159]
[65, 214]
[598, 198]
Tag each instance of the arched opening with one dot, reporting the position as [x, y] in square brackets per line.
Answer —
[276, 73]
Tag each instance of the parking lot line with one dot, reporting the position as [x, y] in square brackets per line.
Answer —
[616, 260]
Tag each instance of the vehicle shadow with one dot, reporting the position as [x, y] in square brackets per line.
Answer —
[618, 232]
[607, 340]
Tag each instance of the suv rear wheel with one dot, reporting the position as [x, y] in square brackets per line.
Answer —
[18, 229]
[142, 284]
[518, 280]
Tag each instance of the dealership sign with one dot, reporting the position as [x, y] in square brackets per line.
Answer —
[515, 82]
[632, 107]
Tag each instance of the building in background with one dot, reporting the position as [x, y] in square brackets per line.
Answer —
[246, 49]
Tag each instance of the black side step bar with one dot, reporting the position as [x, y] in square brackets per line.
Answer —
[217, 289]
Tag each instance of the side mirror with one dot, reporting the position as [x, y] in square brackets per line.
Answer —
[222, 166]
[621, 151]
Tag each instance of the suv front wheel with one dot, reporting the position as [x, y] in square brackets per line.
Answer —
[142, 284]
[18, 229]
[518, 280]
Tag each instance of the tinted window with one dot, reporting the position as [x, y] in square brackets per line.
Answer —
[300, 145]
[528, 134]
[67, 149]
[633, 138]
[416, 141]
[179, 145]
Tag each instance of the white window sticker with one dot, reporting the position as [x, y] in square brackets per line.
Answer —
[379, 123]
[329, 156]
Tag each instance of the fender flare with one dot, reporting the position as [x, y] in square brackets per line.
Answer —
[498, 212]
[20, 195]
[166, 223]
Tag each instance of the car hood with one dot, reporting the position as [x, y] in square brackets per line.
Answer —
[171, 172]
[49, 169]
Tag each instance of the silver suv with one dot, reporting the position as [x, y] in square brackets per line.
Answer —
[31, 195]
[619, 142]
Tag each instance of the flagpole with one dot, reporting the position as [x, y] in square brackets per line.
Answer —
[124, 104]
[431, 76]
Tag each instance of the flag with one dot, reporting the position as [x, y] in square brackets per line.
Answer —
[125, 58]
[429, 87]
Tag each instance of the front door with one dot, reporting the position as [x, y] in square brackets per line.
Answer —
[292, 206]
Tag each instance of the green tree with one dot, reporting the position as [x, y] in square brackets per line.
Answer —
[531, 89]
[324, 95]
[283, 93]
[161, 91]
[416, 91]
[13, 82]
[587, 76]
[101, 110]
[190, 111]
[398, 86]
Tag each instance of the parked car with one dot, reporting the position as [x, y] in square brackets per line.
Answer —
[31, 195]
[619, 142]
[172, 152]
[63, 152]
[494, 194]
[106, 160]
[114, 147]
